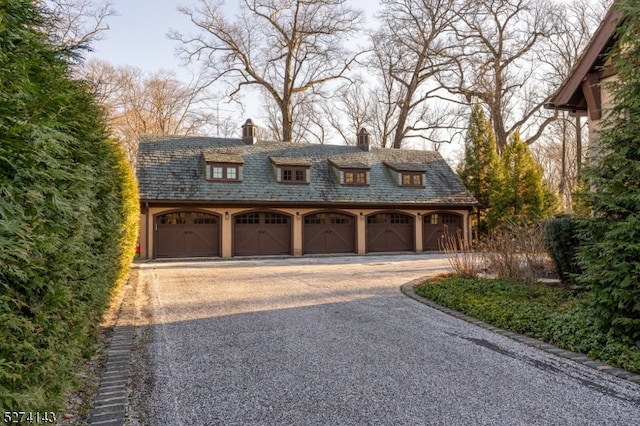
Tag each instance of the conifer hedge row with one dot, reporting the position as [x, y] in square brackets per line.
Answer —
[68, 214]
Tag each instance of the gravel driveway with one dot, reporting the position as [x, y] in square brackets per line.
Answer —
[332, 341]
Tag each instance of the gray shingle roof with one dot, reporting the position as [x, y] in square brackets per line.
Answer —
[172, 169]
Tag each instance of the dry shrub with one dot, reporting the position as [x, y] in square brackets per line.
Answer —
[517, 251]
[461, 256]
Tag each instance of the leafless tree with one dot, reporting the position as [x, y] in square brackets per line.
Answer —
[77, 22]
[560, 150]
[412, 46]
[353, 109]
[501, 43]
[284, 47]
[139, 104]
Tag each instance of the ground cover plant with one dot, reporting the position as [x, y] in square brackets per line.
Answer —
[552, 313]
[68, 215]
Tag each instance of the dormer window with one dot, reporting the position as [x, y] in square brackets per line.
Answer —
[291, 175]
[223, 172]
[223, 167]
[411, 179]
[291, 169]
[350, 171]
[355, 177]
[408, 174]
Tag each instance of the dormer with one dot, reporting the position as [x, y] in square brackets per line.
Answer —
[408, 174]
[222, 167]
[249, 132]
[351, 173]
[291, 170]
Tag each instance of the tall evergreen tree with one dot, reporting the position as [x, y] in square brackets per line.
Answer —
[478, 170]
[610, 258]
[67, 213]
[519, 194]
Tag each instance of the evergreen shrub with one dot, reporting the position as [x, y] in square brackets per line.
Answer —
[68, 214]
[562, 238]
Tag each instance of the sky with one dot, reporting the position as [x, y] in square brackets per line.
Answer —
[138, 35]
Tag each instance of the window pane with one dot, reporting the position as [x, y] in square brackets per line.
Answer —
[449, 218]
[286, 174]
[299, 175]
[417, 180]
[248, 219]
[203, 218]
[361, 178]
[275, 219]
[217, 172]
[173, 219]
[232, 173]
[431, 219]
[348, 177]
[406, 179]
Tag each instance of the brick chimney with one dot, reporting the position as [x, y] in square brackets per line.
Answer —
[363, 139]
[249, 132]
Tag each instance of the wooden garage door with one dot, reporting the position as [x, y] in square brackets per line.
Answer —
[261, 233]
[436, 225]
[187, 234]
[388, 232]
[329, 233]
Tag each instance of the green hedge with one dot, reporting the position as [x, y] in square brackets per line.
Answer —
[68, 215]
[562, 238]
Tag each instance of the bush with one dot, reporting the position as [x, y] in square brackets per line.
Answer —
[515, 251]
[67, 217]
[562, 238]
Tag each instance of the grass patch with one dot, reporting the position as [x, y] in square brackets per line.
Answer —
[550, 313]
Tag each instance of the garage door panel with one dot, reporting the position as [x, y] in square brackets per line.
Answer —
[436, 226]
[261, 233]
[326, 233]
[390, 232]
[187, 234]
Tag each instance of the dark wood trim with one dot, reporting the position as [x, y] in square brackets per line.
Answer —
[592, 94]
[570, 90]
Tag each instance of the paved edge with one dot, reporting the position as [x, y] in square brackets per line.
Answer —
[110, 402]
[408, 289]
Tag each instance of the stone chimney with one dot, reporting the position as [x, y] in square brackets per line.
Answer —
[249, 132]
[363, 139]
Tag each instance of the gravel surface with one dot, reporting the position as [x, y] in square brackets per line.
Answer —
[332, 341]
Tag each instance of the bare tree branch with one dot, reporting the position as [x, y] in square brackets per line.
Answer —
[285, 47]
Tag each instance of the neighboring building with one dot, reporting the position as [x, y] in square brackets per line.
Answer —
[214, 197]
[582, 92]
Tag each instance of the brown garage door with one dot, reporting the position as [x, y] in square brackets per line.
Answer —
[187, 234]
[388, 232]
[329, 233]
[436, 225]
[261, 233]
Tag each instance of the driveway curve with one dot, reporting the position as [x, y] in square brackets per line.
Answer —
[332, 341]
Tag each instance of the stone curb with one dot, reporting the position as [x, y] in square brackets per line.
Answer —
[408, 289]
[110, 402]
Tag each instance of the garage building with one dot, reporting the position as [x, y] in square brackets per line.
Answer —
[224, 197]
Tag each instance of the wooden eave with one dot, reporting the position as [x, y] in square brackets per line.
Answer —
[580, 91]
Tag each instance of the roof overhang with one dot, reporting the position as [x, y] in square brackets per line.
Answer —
[580, 91]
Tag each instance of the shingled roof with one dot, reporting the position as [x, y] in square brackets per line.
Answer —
[173, 169]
